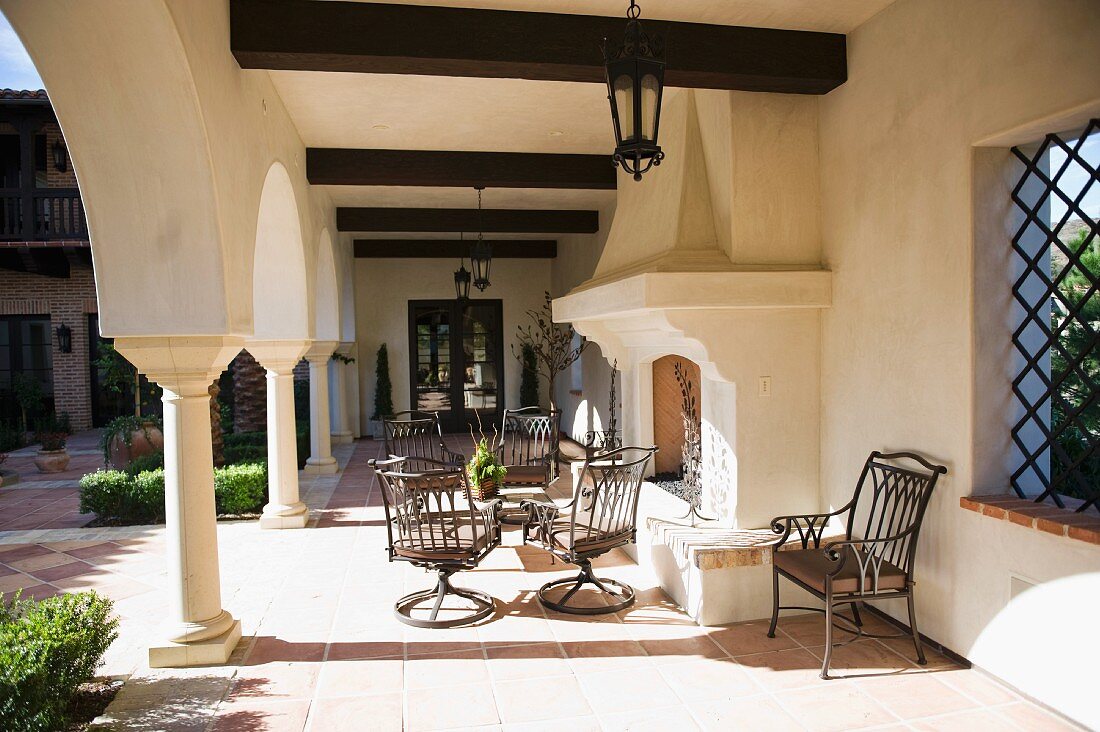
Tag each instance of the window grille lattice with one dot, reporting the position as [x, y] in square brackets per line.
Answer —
[1057, 260]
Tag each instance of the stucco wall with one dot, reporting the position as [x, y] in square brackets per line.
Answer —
[928, 80]
[383, 288]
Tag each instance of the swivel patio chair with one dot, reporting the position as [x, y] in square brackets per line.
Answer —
[528, 446]
[873, 564]
[432, 522]
[413, 434]
[578, 535]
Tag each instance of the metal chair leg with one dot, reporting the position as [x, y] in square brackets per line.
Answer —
[775, 602]
[828, 636]
[913, 626]
[855, 615]
[484, 605]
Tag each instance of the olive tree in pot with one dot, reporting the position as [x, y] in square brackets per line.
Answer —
[552, 344]
[383, 393]
[52, 435]
[130, 436]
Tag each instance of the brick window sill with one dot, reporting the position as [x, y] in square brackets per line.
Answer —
[1039, 516]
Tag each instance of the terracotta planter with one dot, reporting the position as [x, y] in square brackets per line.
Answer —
[486, 490]
[122, 454]
[52, 461]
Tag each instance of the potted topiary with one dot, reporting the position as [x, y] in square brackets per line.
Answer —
[383, 393]
[485, 471]
[51, 456]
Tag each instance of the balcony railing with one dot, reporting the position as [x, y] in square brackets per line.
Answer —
[41, 214]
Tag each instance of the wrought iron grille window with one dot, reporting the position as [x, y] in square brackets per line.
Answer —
[1056, 435]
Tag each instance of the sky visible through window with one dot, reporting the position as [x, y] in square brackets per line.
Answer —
[1075, 178]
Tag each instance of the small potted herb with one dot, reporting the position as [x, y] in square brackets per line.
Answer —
[485, 471]
[51, 456]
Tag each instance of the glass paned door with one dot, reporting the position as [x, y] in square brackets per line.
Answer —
[455, 360]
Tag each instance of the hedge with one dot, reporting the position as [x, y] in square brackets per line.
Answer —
[118, 497]
[49, 648]
[243, 447]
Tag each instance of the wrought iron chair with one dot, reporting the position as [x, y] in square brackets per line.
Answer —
[413, 434]
[873, 564]
[432, 522]
[578, 535]
[598, 441]
[528, 446]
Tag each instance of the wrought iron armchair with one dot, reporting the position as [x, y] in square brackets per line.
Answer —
[578, 535]
[598, 441]
[432, 522]
[528, 446]
[413, 434]
[873, 564]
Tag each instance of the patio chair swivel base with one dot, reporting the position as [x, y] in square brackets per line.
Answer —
[403, 609]
[621, 599]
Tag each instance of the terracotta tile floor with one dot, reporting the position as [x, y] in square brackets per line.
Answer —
[48, 500]
[322, 651]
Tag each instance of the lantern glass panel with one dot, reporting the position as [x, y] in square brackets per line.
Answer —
[624, 105]
[650, 90]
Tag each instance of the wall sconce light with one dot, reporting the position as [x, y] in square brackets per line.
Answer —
[60, 156]
[64, 338]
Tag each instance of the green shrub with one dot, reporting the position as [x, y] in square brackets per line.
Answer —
[147, 497]
[302, 435]
[104, 493]
[143, 463]
[11, 438]
[47, 649]
[240, 488]
[238, 439]
[239, 454]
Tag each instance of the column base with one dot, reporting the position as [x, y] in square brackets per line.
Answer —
[321, 466]
[212, 651]
[296, 520]
[341, 438]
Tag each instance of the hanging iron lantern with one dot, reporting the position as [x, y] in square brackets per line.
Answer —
[60, 156]
[635, 83]
[462, 280]
[481, 256]
[64, 338]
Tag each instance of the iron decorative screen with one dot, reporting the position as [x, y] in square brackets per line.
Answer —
[1056, 260]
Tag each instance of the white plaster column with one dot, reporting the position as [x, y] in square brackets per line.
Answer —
[341, 431]
[320, 460]
[351, 373]
[197, 631]
[284, 509]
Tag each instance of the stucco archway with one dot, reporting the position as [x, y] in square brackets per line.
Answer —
[280, 290]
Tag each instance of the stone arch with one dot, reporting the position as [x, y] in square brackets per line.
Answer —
[150, 202]
[326, 292]
[280, 289]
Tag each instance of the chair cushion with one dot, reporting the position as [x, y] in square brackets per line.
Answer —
[811, 565]
[462, 539]
[579, 538]
[525, 475]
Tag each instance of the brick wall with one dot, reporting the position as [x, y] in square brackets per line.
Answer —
[67, 301]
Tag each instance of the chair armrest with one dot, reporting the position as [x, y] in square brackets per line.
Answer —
[810, 526]
[540, 515]
[489, 512]
[452, 457]
[837, 553]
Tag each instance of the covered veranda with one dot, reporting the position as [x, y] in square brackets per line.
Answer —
[827, 239]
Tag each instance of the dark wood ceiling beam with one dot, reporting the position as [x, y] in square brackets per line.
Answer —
[491, 220]
[346, 167]
[302, 35]
[453, 248]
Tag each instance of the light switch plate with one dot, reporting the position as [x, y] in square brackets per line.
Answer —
[765, 386]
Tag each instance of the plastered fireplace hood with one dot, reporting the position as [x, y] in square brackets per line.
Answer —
[663, 274]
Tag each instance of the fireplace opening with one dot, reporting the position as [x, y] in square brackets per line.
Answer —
[676, 405]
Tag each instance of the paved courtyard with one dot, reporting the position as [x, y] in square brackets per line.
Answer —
[322, 651]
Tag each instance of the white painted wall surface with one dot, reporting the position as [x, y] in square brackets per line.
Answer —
[383, 289]
[929, 79]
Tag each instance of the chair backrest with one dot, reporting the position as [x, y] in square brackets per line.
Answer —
[598, 441]
[890, 499]
[612, 510]
[429, 513]
[528, 436]
[413, 434]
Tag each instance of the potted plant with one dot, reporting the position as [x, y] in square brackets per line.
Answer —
[51, 456]
[383, 393]
[130, 436]
[485, 471]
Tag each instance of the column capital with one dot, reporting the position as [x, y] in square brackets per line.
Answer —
[280, 356]
[344, 347]
[321, 351]
[185, 365]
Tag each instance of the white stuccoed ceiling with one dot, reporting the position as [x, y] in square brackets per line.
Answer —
[514, 115]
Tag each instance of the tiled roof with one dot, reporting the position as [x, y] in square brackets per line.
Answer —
[24, 94]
